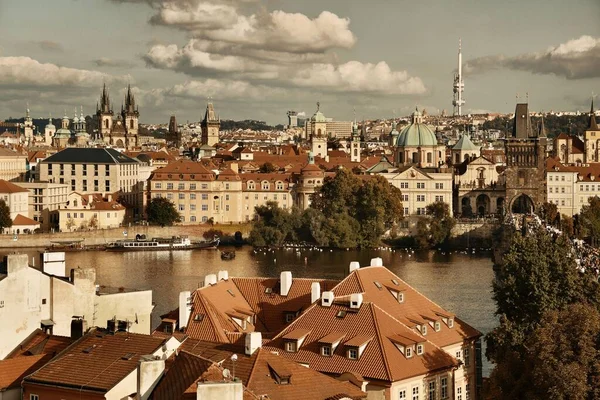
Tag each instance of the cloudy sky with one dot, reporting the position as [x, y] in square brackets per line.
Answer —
[257, 59]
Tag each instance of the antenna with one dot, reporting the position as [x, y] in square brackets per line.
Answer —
[226, 374]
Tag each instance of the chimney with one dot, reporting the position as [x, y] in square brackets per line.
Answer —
[111, 326]
[315, 292]
[54, 263]
[354, 265]
[376, 262]
[356, 300]
[210, 280]
[234, 167]
[185, 308]
[253, 342]
[223, 276]
[78, 328]
[285, 282]
[150, 371]
[327, 299]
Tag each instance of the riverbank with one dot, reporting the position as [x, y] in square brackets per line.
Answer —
[104, 236]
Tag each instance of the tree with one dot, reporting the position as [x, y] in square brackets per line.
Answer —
[93, 224]
[435, 229]
[70, 223]
[268, 168]
[589, 220]
[161, 211]
[536, 275]
[5, 220]
[567, 226]
[548, 212]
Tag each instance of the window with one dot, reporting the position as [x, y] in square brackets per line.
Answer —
[182, 207]
[72, 184]
[181, 186]
[192, 186]
[562, 189]
[290, 346]
[439, 185]
[419, 349]
[562, 178]
[95, 170]
[467, 392]
[400, 297]
[204, 207]
[227, 186]
[415, 393]
[420, 185]
[467, 358]
[326, 351]
[169, 186]
[403, 185]
[226, 197]
[192, 207]
[459, 354]
[204, 219]
[170, 196]
[406, 211]
[204, 196]
[404, 197]
[450, 322]
[421, 211]
[420, 197]
[424, 330]
[265, 185]
[107, 186]
[96, 185]
[193, 218]
[353, 354]
[204, 186]
[431, 390]
[192, 196]
[279, 185]
[408, 352]
[226, 207]
[444, 387]
[439, 198]
[34, 397]
[181, 196]
[1, 303]
[438, 326]
[402, 394]
[459, 393]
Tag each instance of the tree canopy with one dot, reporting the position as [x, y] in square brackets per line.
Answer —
[268, 167]
[5, 220]
[346, 211]
[589, 220]
[435, 229]
[161, 211]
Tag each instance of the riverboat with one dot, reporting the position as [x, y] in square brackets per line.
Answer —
[157, 244]
[227, 255]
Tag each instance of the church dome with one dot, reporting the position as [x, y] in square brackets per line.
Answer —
[416, 134]
[318, 117]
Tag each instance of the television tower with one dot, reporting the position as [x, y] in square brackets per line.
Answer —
[459, 85]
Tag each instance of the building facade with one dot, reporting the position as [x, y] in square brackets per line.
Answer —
[15, 197]
[122, 132]
[417, 145]
[210, 126]
[45, 199]
[13, 166]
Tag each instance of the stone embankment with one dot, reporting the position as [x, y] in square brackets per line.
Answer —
[104, 236]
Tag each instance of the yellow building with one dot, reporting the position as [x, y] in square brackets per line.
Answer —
[45, 199]
[13, 165]
[88, 211]
[228, 197]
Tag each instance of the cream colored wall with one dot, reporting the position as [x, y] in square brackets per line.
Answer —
[18, 203]
[423, 150]
[13, 168]
[563, 193]
[73, 298]
[53, 196]
[125, 306]
[422, 383]
[21, 296]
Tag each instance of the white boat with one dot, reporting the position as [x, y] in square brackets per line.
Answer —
[156, 244]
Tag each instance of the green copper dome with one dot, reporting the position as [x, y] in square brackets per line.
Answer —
[416, 134]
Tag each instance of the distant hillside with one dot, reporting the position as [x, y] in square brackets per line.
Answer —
[229, 125]
[554, 125]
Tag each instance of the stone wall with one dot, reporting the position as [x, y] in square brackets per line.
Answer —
[474, 234]
[103, 236]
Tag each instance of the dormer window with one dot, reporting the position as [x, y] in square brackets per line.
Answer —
[424, 330]
[289, 317]
[451, 323]
[291, 346]
[326, 351]
[400, 297]
[420, 348]
[408, 352]
[265, 185]
[438, 326]
[353, 353]
[251, 185]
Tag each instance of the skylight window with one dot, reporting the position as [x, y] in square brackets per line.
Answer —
[378, 285]
[341, 314]
[198, 317]
[395, 282]
[231, 292]
[268, 290]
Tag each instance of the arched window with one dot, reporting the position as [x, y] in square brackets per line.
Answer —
[250, 185]
[319, 132]
[429, 158]
[265, 185]
[106, 123]
[279, 185]
[131, 124]
[355, 153]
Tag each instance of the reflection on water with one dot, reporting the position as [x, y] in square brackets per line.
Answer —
[458, 282]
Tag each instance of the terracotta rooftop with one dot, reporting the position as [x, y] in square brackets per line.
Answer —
[41, 343]
[184, 170]
[13, 370]
[9, 187]
[84, 364]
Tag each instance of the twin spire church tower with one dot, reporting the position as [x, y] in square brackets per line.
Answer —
[122, 132]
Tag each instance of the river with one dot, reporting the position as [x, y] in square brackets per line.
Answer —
[459, 282]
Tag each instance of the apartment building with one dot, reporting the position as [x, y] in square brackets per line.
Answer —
[13, 165]
[570, 187]
[97, 170]
[45, 199]
[88, 211]
[420, 188]
[372, 326]
[200, 194]
[15, 197]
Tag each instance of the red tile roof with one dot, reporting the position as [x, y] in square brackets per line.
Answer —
[21, 220]
[13, 370]
[9, 187]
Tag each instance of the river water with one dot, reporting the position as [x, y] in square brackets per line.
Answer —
[459, 282]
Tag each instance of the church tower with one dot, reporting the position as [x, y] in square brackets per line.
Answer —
[49, 132]
[130, 116]
[105, 114]
[318, 134]
[210, 126]
[525, 163]
[28, 128]
[592, 138]
[355, 144]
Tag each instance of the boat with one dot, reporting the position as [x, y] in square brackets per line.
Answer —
[71, 246]
[227, 255]
[140, 243]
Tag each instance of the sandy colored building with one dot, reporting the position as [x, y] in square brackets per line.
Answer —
[13, 166]
[15, 197]
[45, 199]
[90, 211]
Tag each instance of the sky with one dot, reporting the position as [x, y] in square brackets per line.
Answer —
[254, 59]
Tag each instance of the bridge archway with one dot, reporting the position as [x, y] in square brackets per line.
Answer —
[522, 204]
[483, 205]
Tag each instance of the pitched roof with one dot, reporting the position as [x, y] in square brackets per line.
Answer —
[85, 364]
[22, 220]
[9, 187]
[184, 170]
[40, 342]
[90, 155]
[13, 370]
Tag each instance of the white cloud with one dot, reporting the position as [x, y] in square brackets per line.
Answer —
[27, 71]
[575, 59]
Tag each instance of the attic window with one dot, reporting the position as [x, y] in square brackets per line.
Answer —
[198, 317]
[193, 176]
[438, 326]
[326, 350]
[400, 297]
[128, 356]
[341, 314]
[268, 290]
[353, 353]
[378, 285]
[230, 292]
[168, 328]
[291, 346]
[450, 322]
[419, 349]
[408, 352]
[424, 330]
[395, 282]
[289, 316]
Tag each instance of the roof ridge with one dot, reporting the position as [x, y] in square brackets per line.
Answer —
[388, 370]
[211, 315]
[259, 352]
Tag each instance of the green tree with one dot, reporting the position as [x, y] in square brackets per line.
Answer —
[537, 275]
[589, 220]
[5, 220]
[436, 228]
[567, 226]
[274, 225]
[548, 212]
[268, 167]
[161, 211]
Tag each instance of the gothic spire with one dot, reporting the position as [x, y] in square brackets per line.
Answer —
[593, 126]
[542, 132]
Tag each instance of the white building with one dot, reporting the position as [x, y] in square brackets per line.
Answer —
[49, 299]
[15, 197]
[570, 187]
